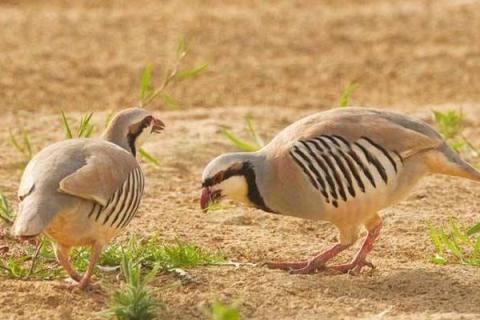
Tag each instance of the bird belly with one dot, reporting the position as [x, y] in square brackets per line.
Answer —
[74, 228]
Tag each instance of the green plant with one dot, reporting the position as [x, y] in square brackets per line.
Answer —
[23, 146]
[347, 92]
[148, 92]
[6, 211]
[179, 255]
[220, 311]
[152, 252]
[133, 301]
[85, 128]
[454, 244]
[149, 157]
[241, 144]
[451, 125]
[43, 264]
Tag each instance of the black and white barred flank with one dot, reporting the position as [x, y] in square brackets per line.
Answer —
[340, 169]
[123, 204]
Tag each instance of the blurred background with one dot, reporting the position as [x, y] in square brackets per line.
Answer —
[89, 55]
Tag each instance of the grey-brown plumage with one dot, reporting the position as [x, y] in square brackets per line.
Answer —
[82, 192]
[341, 166]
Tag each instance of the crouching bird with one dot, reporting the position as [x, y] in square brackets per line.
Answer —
[82, 192]
[341, 166]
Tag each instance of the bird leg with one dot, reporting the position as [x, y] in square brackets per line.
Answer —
[311, 265]
[95, 253]
[62, 257]
[360, 259]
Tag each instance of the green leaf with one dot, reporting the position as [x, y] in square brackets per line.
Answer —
[6, 211]
[458, 236]
[66, 127]
[239, 144]
[169, 101]
[27, 144]
[108, 119]
[25, 149]
[347, 93]
[148, 157]
[253, 133]
[473, 230]
[451, 245]
[145, 84]
[435, 238]
[449, 123]
[438, 259]
[85, 129]
[15, 143]
[193, 72]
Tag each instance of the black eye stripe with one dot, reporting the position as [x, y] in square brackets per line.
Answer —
[224, 175]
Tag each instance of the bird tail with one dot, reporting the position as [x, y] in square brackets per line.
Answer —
[29, 222]
[447, 161]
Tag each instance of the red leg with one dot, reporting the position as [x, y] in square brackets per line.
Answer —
[62, 257]
[96, 250]
[83, 282]
[311, 265]
[360, 259]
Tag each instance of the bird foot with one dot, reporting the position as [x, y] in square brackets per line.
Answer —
[73, 285]
[312, 266]
[300, 267]
[352, 268]
[287, 266]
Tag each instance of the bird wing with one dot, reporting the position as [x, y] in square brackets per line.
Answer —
[403, 135]
[106, 168]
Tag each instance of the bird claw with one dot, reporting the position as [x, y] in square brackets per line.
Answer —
[354, 268]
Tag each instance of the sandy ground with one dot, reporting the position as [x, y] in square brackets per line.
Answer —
[278, 61]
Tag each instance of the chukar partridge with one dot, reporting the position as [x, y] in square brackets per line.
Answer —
[82, 192]
[341, 166]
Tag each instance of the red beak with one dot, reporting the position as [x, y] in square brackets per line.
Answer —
[205, 199]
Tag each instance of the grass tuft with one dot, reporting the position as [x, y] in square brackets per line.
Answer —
[451, 125]
[22, 145]
[153, 252]
[133, 300]
[21, 267]
[455, 245]
[220, 311]
[85, 128]
[6, 211]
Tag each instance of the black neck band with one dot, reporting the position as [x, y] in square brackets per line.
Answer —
[253, 193]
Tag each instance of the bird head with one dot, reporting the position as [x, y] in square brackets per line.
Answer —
[130, 128]
[228, 176]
